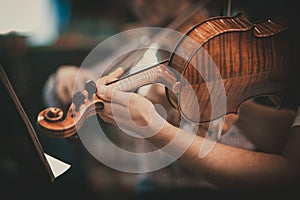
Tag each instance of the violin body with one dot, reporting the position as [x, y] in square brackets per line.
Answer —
[251, 59]
[245, 59]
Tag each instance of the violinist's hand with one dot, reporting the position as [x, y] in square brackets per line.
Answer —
[157, 95]
[65, 79]
[114, 75]
[130, 111]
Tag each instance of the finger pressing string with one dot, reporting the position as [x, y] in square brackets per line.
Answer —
[117, 73]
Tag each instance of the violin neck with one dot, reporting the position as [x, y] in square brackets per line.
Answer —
[158, 73]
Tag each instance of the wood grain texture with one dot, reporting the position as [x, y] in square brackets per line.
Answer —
[248, 59]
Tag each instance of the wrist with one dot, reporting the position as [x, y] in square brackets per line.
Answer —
[164, 136]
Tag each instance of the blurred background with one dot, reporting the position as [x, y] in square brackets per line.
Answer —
[38, 36]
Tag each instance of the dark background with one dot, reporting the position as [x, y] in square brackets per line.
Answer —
[83, 25]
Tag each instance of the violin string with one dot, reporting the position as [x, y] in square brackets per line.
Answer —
[228, 7]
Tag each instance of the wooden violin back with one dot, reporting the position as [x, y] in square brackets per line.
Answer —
[231, 60]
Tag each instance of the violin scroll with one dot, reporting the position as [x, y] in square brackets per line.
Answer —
[86, 103]
[53, 114]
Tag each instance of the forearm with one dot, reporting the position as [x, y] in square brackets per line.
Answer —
[226, 166]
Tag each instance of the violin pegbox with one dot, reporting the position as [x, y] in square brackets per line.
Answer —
[84, 104]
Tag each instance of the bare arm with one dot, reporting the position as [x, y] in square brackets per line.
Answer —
[226, 166]
[235, 168]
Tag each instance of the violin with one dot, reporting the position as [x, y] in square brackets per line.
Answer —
[245, 60]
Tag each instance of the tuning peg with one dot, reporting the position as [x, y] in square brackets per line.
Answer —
[91, 88]
[78, 99]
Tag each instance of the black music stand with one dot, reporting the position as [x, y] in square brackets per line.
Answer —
[24, 167]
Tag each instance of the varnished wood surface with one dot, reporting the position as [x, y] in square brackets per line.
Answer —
[251, 59]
